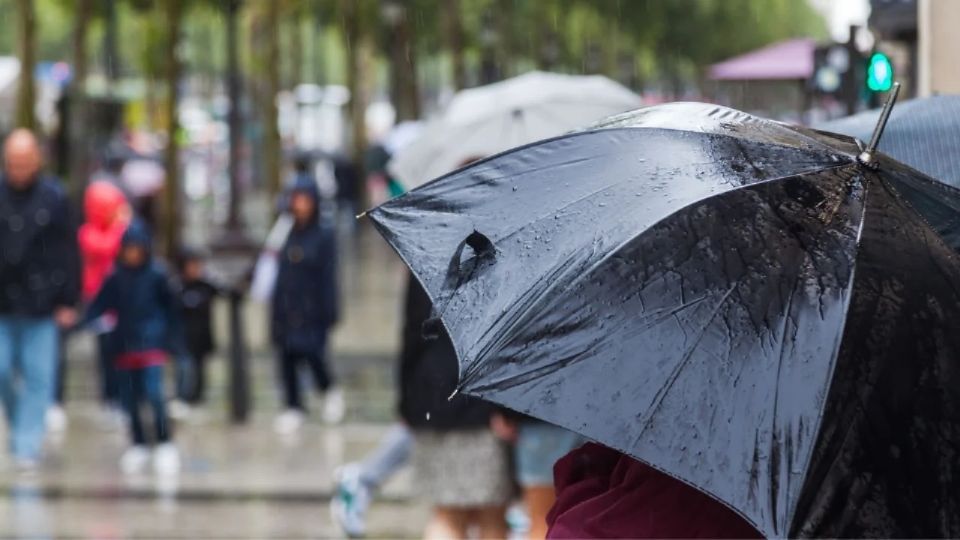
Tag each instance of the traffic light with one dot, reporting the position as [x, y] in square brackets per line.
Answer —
[879, 73]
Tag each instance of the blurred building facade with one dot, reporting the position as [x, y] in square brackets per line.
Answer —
[925, 33]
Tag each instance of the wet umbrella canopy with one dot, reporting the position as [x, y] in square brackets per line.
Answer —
[736, 302]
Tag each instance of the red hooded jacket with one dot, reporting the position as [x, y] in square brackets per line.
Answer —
[602, 493]
[106, 213]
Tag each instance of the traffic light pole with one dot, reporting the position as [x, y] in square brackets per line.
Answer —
[850, 86]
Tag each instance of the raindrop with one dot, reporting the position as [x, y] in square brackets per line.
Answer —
[428, 416]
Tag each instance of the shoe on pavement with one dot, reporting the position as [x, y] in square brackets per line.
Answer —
[56, 419]
[288, 422]
[166, 459]
[334, 406]
[134, 459]
[350, 501]
[179, 410]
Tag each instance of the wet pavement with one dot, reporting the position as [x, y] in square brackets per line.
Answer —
[236, 481]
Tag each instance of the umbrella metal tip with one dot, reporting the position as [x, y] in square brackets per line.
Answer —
[867, 158]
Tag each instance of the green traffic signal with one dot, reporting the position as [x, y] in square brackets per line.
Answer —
[879, 73]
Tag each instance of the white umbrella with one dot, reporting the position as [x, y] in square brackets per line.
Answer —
[483, 121]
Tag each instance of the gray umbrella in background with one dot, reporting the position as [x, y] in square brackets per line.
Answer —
[922, 133]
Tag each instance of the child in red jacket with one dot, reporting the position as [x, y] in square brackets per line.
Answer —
[107, 214]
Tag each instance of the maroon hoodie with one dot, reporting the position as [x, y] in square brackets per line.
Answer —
[602, 493]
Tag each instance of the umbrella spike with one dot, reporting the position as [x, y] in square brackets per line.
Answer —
[867, 158]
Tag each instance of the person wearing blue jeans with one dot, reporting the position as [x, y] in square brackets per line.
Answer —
[28, 352]
[39, 287]
[140, 384]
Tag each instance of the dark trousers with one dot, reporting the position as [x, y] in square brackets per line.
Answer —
[60, 392]
[109, 376]
[137, 386]
[290, 362]
[196, 392]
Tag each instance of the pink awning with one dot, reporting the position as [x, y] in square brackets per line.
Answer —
[791, 59]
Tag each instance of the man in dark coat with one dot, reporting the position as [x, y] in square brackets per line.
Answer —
[39, 287]
[305, 306]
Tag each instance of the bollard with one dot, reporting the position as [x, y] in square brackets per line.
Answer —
[232, 261]
[239, 394]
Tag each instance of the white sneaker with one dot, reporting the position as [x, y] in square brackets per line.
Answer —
[350, 501]
[334, 406]
[179, 410]
[288, 422]
[166, 459]
[134, 459]
[56, 419]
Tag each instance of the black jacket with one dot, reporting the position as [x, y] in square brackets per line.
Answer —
[305, 299]
[196, 299]
[39, 257]
[429, 373]
[141, 296]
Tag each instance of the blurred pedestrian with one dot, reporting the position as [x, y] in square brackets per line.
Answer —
[537, 446]
[39, 288]
[138, 291]
[602, 493]
[460, 465]
[348, 192]
[357, 482]
[107, 214]
[110, 170]
[197, 293]
[305, 306]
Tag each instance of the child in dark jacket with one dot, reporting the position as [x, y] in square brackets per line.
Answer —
[197, 293]
[139, 293]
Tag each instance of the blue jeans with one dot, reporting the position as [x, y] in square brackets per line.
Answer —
[144, 384]
[391, 454]
[28, 367]
[539, 446]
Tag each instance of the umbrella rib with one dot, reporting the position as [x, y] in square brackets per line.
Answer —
[675, 374]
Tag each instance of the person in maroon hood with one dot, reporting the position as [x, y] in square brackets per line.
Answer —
[602, 493]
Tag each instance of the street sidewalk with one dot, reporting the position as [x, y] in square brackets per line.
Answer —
[236, 481]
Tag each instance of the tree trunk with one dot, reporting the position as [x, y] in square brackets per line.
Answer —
[296, 73]
[78, 100]
[171, 191]
[403, 66]
[271, 134]
[111, 57]
[354, 39]
[26, 92]
[454, 31]
[234, 216]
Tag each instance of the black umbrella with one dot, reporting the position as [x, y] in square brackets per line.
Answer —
[734, 301]
[924, 134]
